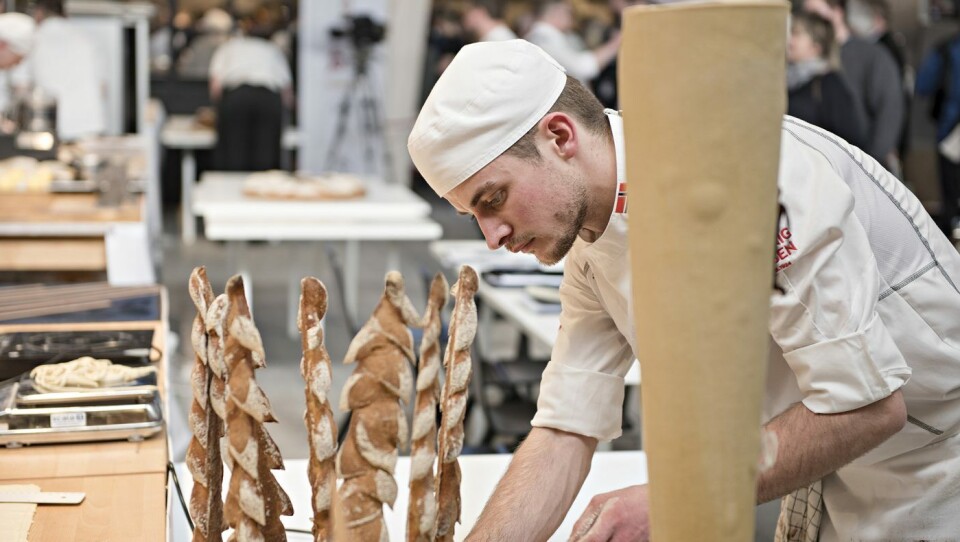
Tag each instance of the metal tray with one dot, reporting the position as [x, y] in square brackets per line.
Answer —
[115, 420]
[141, 390]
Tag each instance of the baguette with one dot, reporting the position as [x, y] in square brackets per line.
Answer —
[422, 509]
[463, 328]
[255, 501]
[382, 380]
[203, 453]
[321, 426]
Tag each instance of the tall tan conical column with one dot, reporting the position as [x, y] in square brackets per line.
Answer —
[703, 93]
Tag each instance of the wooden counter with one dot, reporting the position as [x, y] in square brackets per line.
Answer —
[58, 232]
[124, 482]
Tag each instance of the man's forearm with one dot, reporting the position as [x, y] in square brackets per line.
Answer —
[541, 484]
[810, 446]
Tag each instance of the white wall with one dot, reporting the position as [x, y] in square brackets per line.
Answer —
[326, 70]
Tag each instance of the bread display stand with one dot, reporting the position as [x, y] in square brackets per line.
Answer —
[255, 501]
[203, 453]
[422, 509]
[375, 393]
[703, 102]
[456, 361]
[321, 427]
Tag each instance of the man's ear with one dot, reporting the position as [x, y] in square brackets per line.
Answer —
[560, 132]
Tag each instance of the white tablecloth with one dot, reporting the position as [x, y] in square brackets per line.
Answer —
[610, 471]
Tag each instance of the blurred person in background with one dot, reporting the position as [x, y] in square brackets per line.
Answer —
[604, 86]
[939, 78]
[213, 30]
[65, 65]
[483, 19]
[870, 20]
[250, 83]
[873, 76]
[16, 40]
[817, 92]
[553, 30]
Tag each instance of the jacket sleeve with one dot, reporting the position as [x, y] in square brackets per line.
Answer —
[582, 388]
[826, 321]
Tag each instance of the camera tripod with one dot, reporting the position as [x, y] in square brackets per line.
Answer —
[371, 127]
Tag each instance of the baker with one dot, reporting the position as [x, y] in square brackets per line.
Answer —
[863, 386]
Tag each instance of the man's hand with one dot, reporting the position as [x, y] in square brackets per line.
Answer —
[542, 482]
[618, 516]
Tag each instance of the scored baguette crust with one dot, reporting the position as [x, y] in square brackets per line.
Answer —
[203, 453]
[422, 509]
[382, 380]
[456, 360]
[321, 426]
[255, 501]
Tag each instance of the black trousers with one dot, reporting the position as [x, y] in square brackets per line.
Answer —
[950, 192]
[249, 127]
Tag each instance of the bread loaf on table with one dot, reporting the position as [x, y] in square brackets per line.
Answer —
[203, 453]
[382, 380]
[422, 510]
[255, 500]
[456, 361]
[321, 426]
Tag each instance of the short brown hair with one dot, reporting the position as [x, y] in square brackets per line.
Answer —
[819, 29]
[576, 101]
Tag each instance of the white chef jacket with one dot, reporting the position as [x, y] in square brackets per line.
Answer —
[65, 63]
[250, 61]
[871, 305]
[578, 61]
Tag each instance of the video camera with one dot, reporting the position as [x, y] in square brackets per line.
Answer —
[362, 31]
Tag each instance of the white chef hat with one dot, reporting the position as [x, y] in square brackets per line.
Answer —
[16, 29]
[490, 95]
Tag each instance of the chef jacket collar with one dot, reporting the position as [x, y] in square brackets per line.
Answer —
[616, 128]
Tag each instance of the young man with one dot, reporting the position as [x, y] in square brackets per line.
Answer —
[869, 298]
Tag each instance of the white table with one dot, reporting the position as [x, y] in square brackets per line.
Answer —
[388, 212]
[610, 471]
[508, 302]
[182, 132]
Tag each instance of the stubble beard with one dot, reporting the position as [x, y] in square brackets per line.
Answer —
[574, 214]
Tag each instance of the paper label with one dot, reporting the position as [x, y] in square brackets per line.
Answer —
[68, 419]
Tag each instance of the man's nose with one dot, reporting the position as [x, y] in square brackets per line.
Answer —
[495, 231]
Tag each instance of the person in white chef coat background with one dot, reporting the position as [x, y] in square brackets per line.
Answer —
[863, 388]
[64, 64]
[16, 40]
[553, 32]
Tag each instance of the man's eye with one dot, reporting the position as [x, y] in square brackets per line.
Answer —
[497, 199]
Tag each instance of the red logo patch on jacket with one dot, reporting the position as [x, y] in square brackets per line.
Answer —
[785, 249]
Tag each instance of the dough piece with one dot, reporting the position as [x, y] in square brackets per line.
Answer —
[255, 500]
[382, 380]
[422, 511]
[276, 184]
[456, 360]
[85, 374]
[203, 453]
[321, 426]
